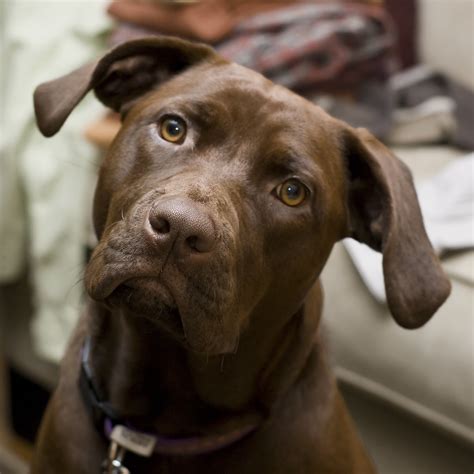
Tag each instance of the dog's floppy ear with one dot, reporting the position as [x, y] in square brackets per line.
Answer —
[119, 77]
[383, 212]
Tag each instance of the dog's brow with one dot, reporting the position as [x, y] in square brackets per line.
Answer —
[203, 111]
[208, 110]
[286, 160]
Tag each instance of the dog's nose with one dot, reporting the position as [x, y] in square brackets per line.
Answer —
[184, 224]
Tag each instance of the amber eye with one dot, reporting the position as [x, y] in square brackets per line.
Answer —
[173, 129]
[292, 192]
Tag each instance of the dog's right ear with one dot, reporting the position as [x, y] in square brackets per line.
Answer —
[118, 78]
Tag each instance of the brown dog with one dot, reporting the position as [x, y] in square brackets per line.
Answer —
[216, 209]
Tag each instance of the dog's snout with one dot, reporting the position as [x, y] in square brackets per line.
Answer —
[184, 224]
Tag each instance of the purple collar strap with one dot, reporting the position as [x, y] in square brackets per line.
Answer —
[146, 444]
[124, 438]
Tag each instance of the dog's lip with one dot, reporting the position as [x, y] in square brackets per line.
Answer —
[148, 287]
[101, 287]
[153, 285]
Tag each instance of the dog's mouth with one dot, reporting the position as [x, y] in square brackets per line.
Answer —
[199, 308]
[149, 298]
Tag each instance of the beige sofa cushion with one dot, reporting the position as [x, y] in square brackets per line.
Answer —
[427, 372]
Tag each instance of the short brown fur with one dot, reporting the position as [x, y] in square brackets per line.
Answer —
[205, 295]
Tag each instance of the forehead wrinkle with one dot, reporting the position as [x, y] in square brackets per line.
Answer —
[292, 159]
[239, 102]
[208, 110]
[272, 107]
[294, 163]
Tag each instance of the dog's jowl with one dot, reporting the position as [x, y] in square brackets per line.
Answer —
[216, 208]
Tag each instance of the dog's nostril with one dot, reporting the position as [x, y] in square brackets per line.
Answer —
[160, 224]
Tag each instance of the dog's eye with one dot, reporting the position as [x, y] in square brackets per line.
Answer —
[292, 192]
[173, 129]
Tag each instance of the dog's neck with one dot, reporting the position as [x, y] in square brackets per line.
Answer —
[152, 380]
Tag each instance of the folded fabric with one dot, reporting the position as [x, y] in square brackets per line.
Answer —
[432, 121]
[446, 201]
[328, 45]
[447, 205]
[415, 85]
[371, 106]
[431, 108]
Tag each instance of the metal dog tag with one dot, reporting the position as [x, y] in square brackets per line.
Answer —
[113, 463]
[138, 443]
[123, 439]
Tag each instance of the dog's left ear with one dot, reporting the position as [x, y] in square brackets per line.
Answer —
[118, 78]
[383, 212]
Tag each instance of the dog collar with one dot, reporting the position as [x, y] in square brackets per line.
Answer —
[124, 437]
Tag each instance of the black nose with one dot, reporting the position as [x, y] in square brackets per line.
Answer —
[182, 224]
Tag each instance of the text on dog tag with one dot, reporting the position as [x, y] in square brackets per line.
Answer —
[138, 443]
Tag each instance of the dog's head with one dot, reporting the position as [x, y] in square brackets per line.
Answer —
[223, 194]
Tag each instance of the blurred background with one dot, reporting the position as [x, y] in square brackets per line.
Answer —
[402, 68]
